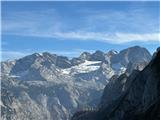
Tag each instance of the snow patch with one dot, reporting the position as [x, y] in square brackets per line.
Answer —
[85, 67]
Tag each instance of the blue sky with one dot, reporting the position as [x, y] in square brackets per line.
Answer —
[69, 28]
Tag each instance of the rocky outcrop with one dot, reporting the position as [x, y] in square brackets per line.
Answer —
[98, 56]
[47, 86]
[85, 56]
[134, 97]
[131, 55]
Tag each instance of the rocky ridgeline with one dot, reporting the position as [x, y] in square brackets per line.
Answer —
[133, 97]
[51, 87]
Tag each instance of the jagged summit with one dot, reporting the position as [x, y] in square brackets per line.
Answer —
[85, 56]
[55, 86]
[98, 52]
[98, 56]
[133, 97]
[131, 55]
[111, 53]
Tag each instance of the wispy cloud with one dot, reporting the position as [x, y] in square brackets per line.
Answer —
[30, 22]
[121, 27]
[114, 38]
[133, 20]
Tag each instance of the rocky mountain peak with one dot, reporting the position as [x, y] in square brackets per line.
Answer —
[132, 54]
[85, 56]
[63, 62]
[56, 86]
[98, 52]
[112, 53]
[98, 56]
[133, 97]
[47, 54]
[24, 63]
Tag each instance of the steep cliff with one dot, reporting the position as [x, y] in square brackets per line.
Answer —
[133, 97]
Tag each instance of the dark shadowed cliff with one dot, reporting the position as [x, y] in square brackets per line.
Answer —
[133, 97]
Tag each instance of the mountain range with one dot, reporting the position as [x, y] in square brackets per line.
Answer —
[45, 86]
[129, 97]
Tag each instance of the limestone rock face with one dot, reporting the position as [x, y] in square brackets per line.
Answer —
[133, 97]
[85, 56]
[50, 87]
[131, 55]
